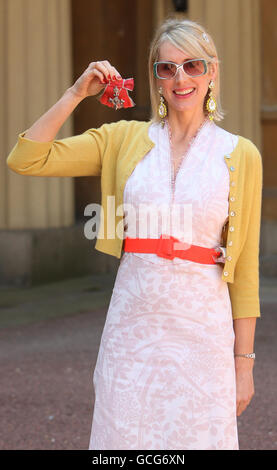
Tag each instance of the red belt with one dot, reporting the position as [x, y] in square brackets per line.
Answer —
[170, 247]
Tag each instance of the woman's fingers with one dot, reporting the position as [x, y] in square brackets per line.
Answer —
[105, 70]
[243, 402]
[98, 74]
[113, 72]
[241, 406]
[108, 71]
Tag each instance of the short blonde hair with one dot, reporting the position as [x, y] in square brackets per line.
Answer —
[193, 40]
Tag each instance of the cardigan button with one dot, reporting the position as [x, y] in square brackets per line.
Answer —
[230, 243]
[225, 273]
[232, 198]
[228, 156]
[233, 183]
[232, 213]
[232, 168]
[232, 229]
[229, 258]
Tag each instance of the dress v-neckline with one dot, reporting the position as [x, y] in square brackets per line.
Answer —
[174, 174]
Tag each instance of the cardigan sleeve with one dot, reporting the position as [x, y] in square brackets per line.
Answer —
[79, 155]
[244, 291]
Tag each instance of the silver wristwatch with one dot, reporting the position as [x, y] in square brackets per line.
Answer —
[250, 356]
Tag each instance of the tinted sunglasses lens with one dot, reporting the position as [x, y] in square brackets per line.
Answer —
[165, 70]
[194, 67]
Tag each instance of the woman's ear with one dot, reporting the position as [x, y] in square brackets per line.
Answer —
[213, 70]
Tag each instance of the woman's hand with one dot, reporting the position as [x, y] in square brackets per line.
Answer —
[92, 81]
[244, 383]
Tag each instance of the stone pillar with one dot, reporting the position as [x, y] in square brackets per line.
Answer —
[39, 240]
[35, 72]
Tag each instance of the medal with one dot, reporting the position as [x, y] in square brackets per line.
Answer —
[115, 94]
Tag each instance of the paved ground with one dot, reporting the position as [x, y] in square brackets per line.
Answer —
[49, 338]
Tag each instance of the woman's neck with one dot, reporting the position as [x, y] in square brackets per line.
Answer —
[184, 129]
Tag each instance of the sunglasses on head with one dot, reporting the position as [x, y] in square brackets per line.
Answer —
[168, 70]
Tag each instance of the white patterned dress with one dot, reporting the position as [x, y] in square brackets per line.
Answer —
[165, 376]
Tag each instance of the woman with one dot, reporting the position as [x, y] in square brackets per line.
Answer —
[175, 363]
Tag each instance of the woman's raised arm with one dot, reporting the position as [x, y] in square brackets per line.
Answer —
[89, 83]
[48, 125]
[37, 153]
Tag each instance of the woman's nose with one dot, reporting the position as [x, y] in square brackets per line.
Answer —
[180, 75]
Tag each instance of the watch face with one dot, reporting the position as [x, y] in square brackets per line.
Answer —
[252, 355]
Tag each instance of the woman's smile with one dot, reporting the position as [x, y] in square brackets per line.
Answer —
[184, 93]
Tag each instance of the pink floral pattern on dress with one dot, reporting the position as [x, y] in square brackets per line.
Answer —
[164, 377]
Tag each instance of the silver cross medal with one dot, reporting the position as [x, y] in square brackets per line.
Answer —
[116, 101]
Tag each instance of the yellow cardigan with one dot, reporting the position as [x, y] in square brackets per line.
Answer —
[113, 151]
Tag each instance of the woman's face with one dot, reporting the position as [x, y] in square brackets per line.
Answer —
[172, 88]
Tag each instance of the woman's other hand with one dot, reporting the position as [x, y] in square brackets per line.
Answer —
[244, 383]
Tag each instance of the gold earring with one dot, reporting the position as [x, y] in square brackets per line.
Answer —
[162, 110]
[211, 103]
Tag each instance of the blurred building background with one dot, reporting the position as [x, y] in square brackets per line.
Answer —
[47, 44]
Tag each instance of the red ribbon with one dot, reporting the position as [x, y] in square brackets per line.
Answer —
[115, 94]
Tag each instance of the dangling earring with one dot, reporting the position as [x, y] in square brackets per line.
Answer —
[211, 103]
[162, 110]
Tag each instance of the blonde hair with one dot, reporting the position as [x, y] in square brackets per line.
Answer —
[193, 40]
